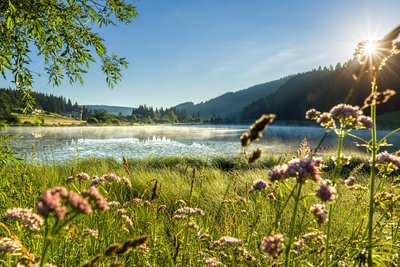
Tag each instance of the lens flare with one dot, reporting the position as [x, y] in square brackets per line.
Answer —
[370, 47]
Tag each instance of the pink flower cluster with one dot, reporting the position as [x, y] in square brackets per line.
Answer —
[99, 201]
[26, 217]
[273, 245]
[302, 169]
[109, 178]
[10, 246]
[57, 199]
[228, 241]
[50, 201]
[346, 115]
[186, 211]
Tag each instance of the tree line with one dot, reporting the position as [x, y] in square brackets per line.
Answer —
[11, 101]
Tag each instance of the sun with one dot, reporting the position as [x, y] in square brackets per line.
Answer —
[370, 47]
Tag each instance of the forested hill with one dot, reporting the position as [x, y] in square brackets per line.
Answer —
[230, 105]
[323, 88]
[116, 110]
[11, 99]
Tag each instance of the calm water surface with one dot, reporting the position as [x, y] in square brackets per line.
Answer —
[65, 143]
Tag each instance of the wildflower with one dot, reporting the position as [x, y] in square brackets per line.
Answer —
[126, 181]
[96, 180]
[319, 212]
[227, 241]
[51, 201]
[113, 204]
[98, 199]
[191, 225]
[121, 211]
[349, 181]
[244, 253]
[91, 232]
[364, 122]
[10, 246]
[83, 176]
[326, 121]
[127, 220]
[79, 203]
[258, 185]
[111, 177]
[312, 114]
[69, 179]
[204, 236]
[186, 211]
[278, 173]
[345, 113]
[314, 236]
[326, 193]
[387, 162]
[26, 217]
[302, 169]
[344, 160]
[212, 261]
[273, 245]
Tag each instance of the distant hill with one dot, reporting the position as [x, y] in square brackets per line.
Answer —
[321, 89]
[230, 105]
[111, 109]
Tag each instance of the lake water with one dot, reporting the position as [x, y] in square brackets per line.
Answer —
[64, 143]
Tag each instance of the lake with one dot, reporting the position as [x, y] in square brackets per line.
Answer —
[65, 143]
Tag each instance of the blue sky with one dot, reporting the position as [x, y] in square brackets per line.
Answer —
[194, 50]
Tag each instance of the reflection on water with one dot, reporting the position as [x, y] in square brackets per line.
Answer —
[63, 143]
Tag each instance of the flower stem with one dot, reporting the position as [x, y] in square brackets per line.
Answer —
[373, 149]
[292, 226]
[336, 173]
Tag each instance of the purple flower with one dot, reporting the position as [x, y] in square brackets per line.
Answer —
[83, 176]
[312, 114]
[272, 245]
[364, 122]
[326, 193]
[326, 121]
[319, 212]
[259, 185]
[386, 158]
[302, 169]
[344, 112]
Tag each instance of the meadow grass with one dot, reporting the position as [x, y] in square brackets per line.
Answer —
[160, 187]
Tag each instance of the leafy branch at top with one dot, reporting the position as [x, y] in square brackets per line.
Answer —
[63, 34]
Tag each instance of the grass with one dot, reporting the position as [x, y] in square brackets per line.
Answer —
[159, 187]
[50, 119]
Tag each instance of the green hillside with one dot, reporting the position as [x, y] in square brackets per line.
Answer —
[230, 105]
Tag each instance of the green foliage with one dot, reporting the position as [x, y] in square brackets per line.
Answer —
[63, 33]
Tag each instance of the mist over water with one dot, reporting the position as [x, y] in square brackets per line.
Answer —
[207, 141]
